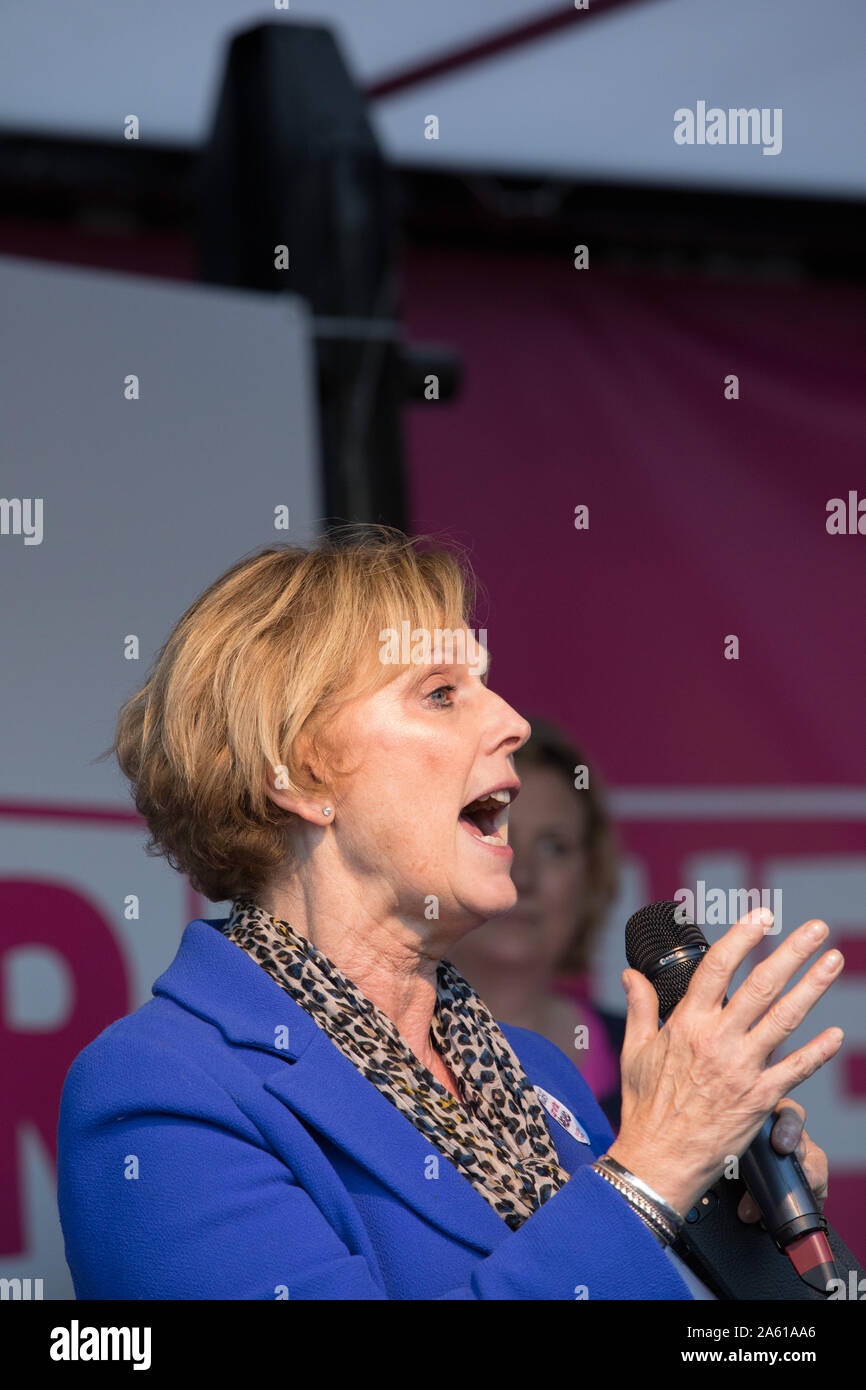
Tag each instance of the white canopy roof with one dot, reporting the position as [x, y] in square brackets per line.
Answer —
[594, 98]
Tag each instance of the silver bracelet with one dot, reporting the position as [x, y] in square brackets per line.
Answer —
[670, 1214]
[656, 1213]
[663, 1233]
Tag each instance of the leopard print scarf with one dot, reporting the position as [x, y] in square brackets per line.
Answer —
[500, 1142]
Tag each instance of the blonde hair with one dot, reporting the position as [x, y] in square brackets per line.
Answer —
[249, 677]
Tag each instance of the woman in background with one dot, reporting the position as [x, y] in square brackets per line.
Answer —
[532, 966]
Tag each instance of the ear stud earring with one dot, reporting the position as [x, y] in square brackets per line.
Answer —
[326, 810]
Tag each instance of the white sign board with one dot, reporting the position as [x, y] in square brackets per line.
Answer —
[151, 434]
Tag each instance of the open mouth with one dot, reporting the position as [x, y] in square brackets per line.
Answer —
[486, 818]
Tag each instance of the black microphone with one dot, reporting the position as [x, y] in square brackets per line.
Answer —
[667, 948]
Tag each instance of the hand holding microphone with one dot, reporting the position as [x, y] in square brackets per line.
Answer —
[701, 1088]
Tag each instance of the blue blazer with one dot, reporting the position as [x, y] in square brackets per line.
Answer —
[216, 1144]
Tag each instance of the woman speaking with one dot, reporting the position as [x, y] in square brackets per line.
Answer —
[315, 1104]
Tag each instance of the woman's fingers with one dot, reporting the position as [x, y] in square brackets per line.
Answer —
[787, 1131]
[789, 1136]
[723, 1063]
[768, 978]
[787, 1013]
[642, 1018]
[800, 1065]
[709, 984]
[814, 1163]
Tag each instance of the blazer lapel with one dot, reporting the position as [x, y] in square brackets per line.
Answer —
[329, 1093]
[217, 980]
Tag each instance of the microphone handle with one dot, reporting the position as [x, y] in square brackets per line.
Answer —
[780, 1189]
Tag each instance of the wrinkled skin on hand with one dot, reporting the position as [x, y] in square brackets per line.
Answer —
[698, 1089]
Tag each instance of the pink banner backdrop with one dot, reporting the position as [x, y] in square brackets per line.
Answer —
[707, 519]
[72, 963]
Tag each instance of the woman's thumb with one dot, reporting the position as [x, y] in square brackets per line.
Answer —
[642, 1020]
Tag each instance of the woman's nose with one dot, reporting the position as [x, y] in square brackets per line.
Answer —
[525, 729]
[518, 728]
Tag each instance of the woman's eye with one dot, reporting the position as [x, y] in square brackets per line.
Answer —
[550, 845]
[442, 690]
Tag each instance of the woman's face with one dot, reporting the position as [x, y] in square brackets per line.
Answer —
[417, 752]
[546, 834]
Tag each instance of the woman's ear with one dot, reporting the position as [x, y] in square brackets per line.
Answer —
[314, 806]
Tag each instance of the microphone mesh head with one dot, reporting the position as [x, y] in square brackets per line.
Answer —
[651, 934]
